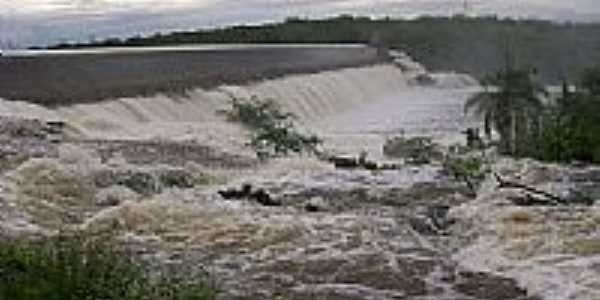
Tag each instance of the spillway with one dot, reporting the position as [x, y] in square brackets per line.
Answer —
[322, 101]
[354, 107]
[63, 77]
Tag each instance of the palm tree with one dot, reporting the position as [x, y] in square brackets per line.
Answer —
[590, 81]
[510, 103]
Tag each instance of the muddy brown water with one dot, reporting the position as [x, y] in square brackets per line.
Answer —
[376, 235]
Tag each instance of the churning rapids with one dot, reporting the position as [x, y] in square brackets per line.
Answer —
[147, 170]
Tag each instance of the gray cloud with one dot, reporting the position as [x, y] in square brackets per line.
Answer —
[35, 22]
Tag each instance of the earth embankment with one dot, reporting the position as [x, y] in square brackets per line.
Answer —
[64, 78]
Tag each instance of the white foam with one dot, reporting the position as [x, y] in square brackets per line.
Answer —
[553, 252]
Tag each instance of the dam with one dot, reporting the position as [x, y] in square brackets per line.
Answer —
[146, 151]
[316, 83]
[56, 77]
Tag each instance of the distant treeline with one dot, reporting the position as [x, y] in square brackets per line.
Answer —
[474, 45]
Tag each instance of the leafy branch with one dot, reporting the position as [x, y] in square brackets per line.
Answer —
[274, 132]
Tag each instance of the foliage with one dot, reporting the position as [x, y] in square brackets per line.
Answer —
[256, 114]
[570, 129]
[69, 267]
[563, 130]
[510, 102]
[274, 132]
[590, 81]
[472, 45]
[465, 166]
[468, 168]
[557, 139]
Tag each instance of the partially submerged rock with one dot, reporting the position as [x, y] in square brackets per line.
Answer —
[171, 153]
[21, 139]
[423, 79]
[406, 63]
[180, 178]
[140, 181]
[247, 192]
[115, 195]
[417, 150]
[361, 162]
[316, 204]
[433, 220]
[148, 181]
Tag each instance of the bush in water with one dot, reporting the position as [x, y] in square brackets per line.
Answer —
[274, 132]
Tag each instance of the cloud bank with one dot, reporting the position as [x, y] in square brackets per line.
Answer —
[38, 22]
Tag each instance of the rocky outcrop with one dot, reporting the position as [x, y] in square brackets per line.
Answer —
[115, 195]
[23, 138]
[420, 76]
[406, 63]
[168, 153]
[417, 150]
[247, 192]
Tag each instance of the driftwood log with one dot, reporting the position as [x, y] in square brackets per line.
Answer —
[536, 197]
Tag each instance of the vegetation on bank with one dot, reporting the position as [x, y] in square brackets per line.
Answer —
[273, 131]
[74, 268]
[533, 123]
[473, 45]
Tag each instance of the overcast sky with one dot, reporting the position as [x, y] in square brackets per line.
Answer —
[38, 22]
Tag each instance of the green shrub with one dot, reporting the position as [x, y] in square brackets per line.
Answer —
[564, 130]
[256, 113]
[471, 167]
[570, 127]
[559, 139]
[75, 268]
[274, 132]
[590, 80]
[467, 168]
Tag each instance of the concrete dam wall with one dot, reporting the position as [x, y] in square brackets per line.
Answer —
[324, 83]
[312, 97]
[55, 78]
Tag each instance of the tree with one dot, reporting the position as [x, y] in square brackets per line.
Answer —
[510, 103]
[590, 81]
[571, 125]
[558, 138]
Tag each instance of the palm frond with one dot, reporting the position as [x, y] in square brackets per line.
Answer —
[476, 101]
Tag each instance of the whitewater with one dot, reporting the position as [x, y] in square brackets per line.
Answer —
[547, 252]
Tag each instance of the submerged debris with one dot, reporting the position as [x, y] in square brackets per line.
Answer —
[474, 140]
[415, 150]
[360, 162]
[23, 138]
[316, 204]
[246, 192]
[140, 181]
[433, 221]
[115, 195]
[536, 197]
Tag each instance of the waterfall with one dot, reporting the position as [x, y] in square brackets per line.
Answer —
[311, 97]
